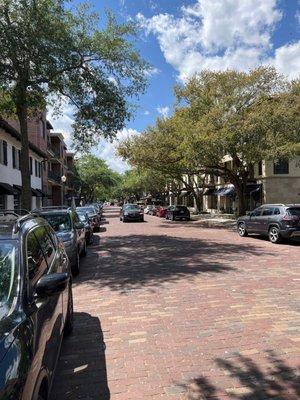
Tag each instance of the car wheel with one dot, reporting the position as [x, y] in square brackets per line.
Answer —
[172, 217]
[124, 220]
[274, 235]
[142, 219]
[70, 315]
[75, 266]
[242, 230]
[84, 251]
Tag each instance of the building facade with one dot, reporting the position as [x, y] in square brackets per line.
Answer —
[10, 174]
[50, 165]
[271, 182]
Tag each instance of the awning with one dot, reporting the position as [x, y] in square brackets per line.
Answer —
[209, 191]
[7, 189]
[38, 193]
[41, 193]
[253, 189]
[18, 189]
[184, 193]
[227, 191]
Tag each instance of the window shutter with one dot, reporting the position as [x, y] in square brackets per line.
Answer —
[4, 146]
[13, 149]
[1, 151]
[19, 159]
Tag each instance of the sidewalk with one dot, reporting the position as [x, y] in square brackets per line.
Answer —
[215, 221]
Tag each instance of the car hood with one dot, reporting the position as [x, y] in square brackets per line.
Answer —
[244, 217]
[64, 236]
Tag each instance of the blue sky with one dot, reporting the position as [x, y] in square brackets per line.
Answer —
[179, 38]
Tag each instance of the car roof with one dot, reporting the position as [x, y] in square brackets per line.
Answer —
[11, 229]
[56, 211]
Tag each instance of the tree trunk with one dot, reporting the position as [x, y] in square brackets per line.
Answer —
[198, 201]
[22, 113]
[241, 199]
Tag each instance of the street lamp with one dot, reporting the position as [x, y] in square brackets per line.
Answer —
[63, 179]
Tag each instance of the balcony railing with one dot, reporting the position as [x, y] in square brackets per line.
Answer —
[54, 177]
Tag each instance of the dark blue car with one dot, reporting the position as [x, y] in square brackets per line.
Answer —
[36, 306]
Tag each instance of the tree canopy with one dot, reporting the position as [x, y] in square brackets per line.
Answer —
[51, 49]
[244, 117]
[93, 178]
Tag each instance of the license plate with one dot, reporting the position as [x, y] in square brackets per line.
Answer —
[181, 212]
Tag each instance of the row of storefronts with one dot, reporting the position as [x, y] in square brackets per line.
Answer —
[273, 182]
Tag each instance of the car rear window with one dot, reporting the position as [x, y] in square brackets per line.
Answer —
[59, 222]
[294, 211]
[181, 208]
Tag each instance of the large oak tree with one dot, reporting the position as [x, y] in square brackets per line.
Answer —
[49, 49]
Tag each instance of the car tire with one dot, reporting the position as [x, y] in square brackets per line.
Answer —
[76, 266]
[142, 219]
[274, 235]
[172, 217]
[70, 315]
[84, 251]
[242, 231]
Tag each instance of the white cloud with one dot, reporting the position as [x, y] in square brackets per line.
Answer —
[287, 60]
[146, 112]
[152, 71]
[164, 111]
[63, 122]
[219, 35]
[107, 150]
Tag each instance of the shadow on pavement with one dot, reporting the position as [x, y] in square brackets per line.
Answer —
[81, 370]
[271, 379]
[132, 262]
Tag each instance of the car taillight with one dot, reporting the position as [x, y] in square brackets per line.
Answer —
[288, 217]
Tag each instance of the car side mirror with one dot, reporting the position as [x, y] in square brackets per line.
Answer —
[79, 225]
[49, 285]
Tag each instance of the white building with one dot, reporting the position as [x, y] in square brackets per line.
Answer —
[10, 174]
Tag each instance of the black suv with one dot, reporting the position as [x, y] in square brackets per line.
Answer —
[178, 212]
[277, 221]
[36, 305]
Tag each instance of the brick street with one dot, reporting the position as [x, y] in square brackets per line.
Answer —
[172, 310]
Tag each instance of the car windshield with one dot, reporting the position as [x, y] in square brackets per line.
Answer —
[60, 222]
[294, 211]
[131, 207]
[82, 217]
[88, 210]
[8, 276]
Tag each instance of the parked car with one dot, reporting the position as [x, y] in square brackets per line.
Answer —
[84, 218]
[149, 208]
[277, 221]
[152, 210]
[93, 216]
[71, 232]
[161, 211]
[178, 212]
[131, 212]
[36, 306]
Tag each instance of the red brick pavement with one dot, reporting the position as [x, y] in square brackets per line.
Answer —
[170, 310]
